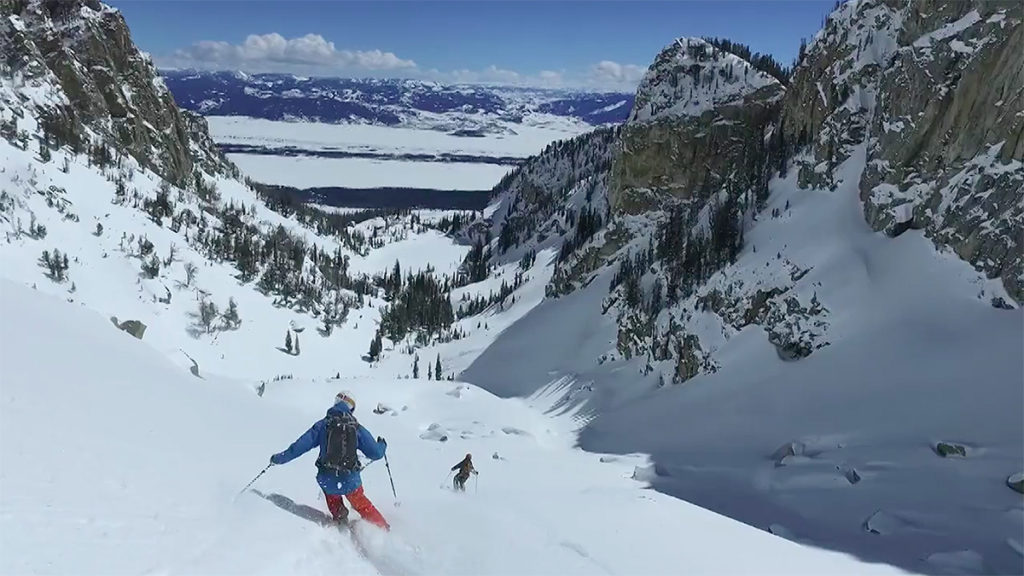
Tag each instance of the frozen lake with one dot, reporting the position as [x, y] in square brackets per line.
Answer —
[289, 153]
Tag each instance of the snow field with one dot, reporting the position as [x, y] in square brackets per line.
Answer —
[916, 355]
[526, 139]
[314, 172]
[131, 465]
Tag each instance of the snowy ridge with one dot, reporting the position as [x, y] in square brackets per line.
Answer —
[690, 77]
[389, 102]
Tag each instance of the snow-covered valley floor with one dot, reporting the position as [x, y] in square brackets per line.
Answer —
[388, 144]
[116, 461]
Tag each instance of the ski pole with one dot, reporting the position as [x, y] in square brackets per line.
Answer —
[254, 479]
[388, 466]
[476, 483]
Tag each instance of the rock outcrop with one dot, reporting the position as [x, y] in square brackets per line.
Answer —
[933, 90]
[916, 105]
[698, 124]
[109, 87]
[948, 449]
[1016, 482]
[133, 327]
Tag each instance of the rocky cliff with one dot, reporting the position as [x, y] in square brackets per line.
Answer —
[699, 121]
[917, 104]
[109, 88]
[935, 90]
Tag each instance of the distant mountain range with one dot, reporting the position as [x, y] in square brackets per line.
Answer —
[470, 109]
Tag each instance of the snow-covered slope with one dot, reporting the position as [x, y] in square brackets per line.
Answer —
[116, 461]
[824, 363]
[913, 355]
[821, 363]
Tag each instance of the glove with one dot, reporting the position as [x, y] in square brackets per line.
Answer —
[273, 460]
[381, 440]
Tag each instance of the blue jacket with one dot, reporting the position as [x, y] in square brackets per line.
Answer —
[332, 483]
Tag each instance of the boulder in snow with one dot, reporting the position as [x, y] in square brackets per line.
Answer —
[883, 523]
[781, 531]
[788, 450]
[1016, 482]
[436, 433]
[649, 473]
[513, 431]
[133, 327]
[456, 392]
[958, 562]
[947, 449]
[384, 409]
[852, 476]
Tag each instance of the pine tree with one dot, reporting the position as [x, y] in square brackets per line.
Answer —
[328, 320]
[288, 341]
[430, 371]
[297, 350]
[375, 347]
[231, 319]
[416, 366]
[151, 268]
[437, 367]
[207, 314]
[190, 273]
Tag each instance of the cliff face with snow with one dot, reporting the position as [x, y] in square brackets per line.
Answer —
[112, 197]
[929, 92]
[698, 125]
[691, 77]
[84, 49]
[826, 268]
[935, 91]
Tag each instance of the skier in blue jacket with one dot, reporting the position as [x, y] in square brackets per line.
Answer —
[338, 435]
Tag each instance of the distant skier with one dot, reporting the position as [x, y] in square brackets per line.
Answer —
[338, 435]
[465, 468]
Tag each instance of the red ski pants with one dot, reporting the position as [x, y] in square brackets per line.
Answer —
[360, 503]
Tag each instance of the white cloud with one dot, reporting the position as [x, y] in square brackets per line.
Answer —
[612, 74]
[550, 78]
[313, 54]
[273, 52]
[490, 75]
[494, 75]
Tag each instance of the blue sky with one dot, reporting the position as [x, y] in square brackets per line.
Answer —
[598, 44]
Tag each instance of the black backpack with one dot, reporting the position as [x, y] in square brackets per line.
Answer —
[341, 432]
